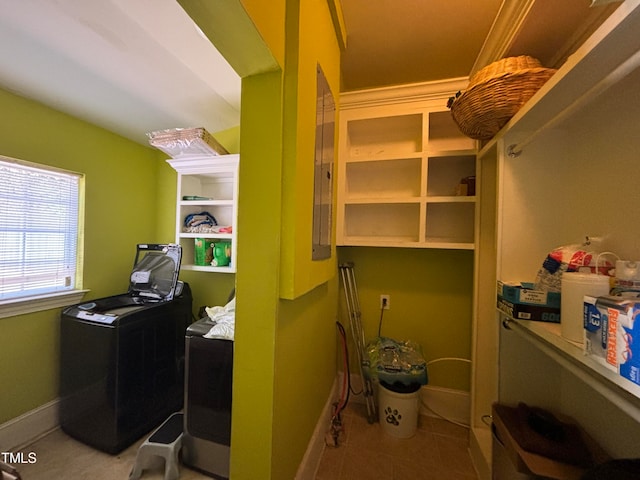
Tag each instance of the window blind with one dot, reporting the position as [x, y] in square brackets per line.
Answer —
[38, 230]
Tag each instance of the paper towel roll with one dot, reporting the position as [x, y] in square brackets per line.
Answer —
[575, 286]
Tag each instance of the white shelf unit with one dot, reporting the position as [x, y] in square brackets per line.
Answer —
[535, 178]
[215, 179]
[399, 165]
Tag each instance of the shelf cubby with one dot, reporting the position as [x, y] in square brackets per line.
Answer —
[444, 173]
[383, 178]
[450, 223]
[385, 136]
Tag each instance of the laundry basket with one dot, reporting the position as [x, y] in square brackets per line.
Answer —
[496, 93]
[398, 410]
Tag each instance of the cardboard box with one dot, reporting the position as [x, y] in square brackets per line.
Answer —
[523, 302]
[503, 466]
[512, 462]
[526, 294]
[598, 344]
[522, 311]
[628, 329]
[610, 327]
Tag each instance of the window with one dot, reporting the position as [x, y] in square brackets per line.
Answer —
[38, 231]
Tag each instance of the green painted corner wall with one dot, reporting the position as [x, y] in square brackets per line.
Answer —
[311, 41]
[305, 361]
[268, 18]
[305, 348]
[247, 33]
[274, 337]
[431, 303]
[259, 223]
[114, 198]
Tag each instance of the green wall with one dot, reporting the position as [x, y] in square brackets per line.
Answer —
[286, 305]
[120, 186]
[431, 303]
[305, 349]
[311, 40]
[258, 255]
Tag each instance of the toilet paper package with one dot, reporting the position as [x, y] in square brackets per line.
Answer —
[610, 327]
[575, 286]
[598, 344]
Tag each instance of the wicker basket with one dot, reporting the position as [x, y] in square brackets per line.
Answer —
[496, 93]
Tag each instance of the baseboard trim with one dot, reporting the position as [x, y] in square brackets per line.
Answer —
[311, 460]
[480, 451]
[26, 428]
[447, 403]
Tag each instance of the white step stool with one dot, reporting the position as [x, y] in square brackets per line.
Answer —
[165, 442]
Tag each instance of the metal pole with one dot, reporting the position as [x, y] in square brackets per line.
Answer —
[357, 332]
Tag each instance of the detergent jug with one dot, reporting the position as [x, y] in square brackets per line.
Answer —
[221, 254]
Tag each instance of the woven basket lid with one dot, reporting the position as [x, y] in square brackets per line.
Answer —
[503, 67]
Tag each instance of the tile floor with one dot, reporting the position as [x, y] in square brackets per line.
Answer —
[438, 451]
[60, 457]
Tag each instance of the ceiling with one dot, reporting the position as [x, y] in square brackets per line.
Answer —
[130, 66]
[135, 66]
[391, 42]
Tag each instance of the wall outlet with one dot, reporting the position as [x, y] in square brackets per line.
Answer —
[385, 302]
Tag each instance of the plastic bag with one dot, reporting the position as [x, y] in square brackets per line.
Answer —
[570, 258]
[399, 363]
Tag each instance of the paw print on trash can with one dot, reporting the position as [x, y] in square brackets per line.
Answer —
[392, 416]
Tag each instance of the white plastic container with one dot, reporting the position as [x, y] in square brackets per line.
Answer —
[575, 286]
[398, 412]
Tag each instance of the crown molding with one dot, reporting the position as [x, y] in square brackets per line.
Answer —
[406, 93]
[504, 30]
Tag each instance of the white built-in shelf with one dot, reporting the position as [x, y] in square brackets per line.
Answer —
[399, 167]
[579, 127]
[215, 178]
[548, 337]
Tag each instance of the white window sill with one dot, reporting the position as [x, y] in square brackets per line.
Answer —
[21, 306]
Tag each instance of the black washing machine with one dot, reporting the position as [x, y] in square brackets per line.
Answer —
[122, 357]
[206, 439]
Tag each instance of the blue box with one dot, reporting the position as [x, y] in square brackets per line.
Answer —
[526, 294]
[523, 302]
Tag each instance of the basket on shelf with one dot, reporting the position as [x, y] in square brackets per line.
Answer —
[496, 93]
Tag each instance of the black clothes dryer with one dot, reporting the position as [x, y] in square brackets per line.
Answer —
[206, 440]
[122, 357]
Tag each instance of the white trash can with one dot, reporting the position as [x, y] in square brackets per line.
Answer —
[398, 412]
